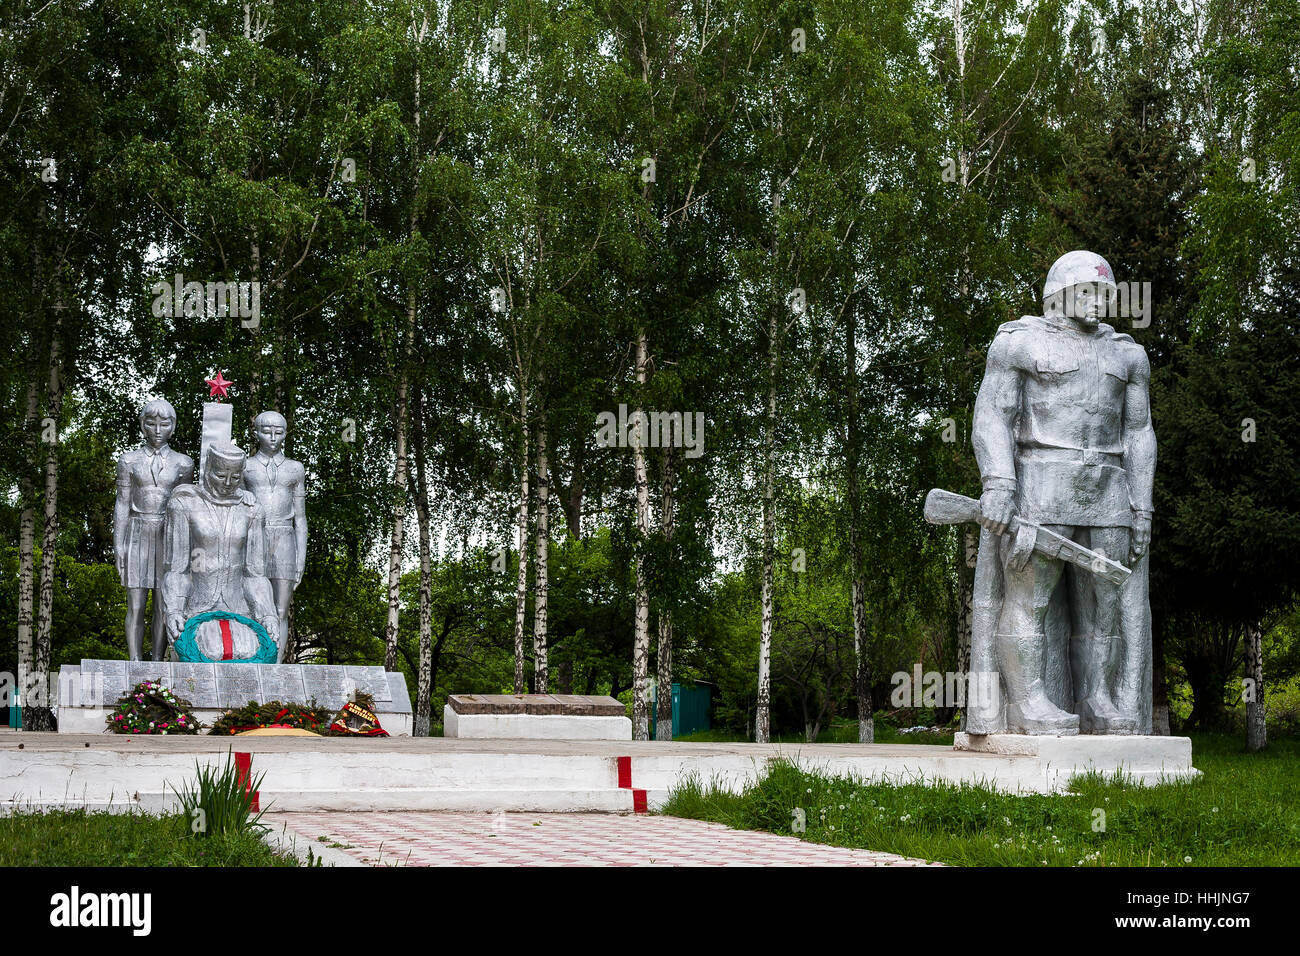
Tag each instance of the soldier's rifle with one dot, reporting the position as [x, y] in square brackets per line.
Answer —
[946, 507]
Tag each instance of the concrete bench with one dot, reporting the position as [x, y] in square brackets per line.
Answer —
[535, 717]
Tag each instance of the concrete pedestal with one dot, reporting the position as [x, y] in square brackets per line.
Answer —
[1144, 760]
[112, 771]
[89, 691]
[535, 717]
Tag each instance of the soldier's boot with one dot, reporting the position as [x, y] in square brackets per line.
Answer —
[1029, 709]
[1096, 708]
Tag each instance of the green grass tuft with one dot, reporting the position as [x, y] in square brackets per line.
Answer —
[220, 803]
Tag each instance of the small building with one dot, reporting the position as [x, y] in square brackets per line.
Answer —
[690, 708]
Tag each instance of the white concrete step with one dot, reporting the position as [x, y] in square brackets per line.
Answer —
[527, 775]
[606, 800]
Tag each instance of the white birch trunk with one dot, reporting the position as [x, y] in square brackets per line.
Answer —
[27, 543]
[521, 583]
[1256, 730]
[399, 502]
[541, 583]
[38, 717]
[399, 470]
[424, 681]
[667, 514]
[861, 641]
[641, 634]
[966, 603]
[762, 716]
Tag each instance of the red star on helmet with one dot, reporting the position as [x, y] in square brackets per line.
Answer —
[1104, 271]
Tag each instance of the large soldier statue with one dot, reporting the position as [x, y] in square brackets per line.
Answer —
[280, 486]
[146, 477]
[1062, 433]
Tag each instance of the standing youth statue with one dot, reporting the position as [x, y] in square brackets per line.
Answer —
[1062, 433]
[279, 484]
[146, 477]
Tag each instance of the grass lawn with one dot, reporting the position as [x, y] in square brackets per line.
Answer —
[1243, 811]
[98, 838]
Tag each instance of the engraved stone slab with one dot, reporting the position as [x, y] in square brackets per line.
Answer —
[400, 703]
[237, 684]
[371, 680]
[113, 675]
[283, 682]
[69, 686]
[326, 683]
[137, 671]
[196, 682]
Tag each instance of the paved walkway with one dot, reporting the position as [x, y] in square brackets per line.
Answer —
[562, 839]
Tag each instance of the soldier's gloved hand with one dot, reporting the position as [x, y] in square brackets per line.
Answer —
[175, 624]
[1141, 535]
[997, 506]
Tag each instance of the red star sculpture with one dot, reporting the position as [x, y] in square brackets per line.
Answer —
[1104, 271]
[218, 387]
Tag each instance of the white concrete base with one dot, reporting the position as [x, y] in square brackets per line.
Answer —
[90, 720]
[533, 726]
[1144, 760]
[108, 771]
[81, 704]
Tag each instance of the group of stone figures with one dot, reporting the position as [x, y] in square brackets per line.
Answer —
[1062, 434]
[235, 541]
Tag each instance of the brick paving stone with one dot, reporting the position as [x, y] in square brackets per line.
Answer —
[564, 839]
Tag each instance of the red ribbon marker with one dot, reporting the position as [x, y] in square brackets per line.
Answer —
[625, 783]
[227, 641]
[243, 766]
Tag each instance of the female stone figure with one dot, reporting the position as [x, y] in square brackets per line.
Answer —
[216, 548]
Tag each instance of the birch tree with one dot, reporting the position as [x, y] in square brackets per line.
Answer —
[547, 203]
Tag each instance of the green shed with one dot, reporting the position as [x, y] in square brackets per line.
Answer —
[690, 708]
